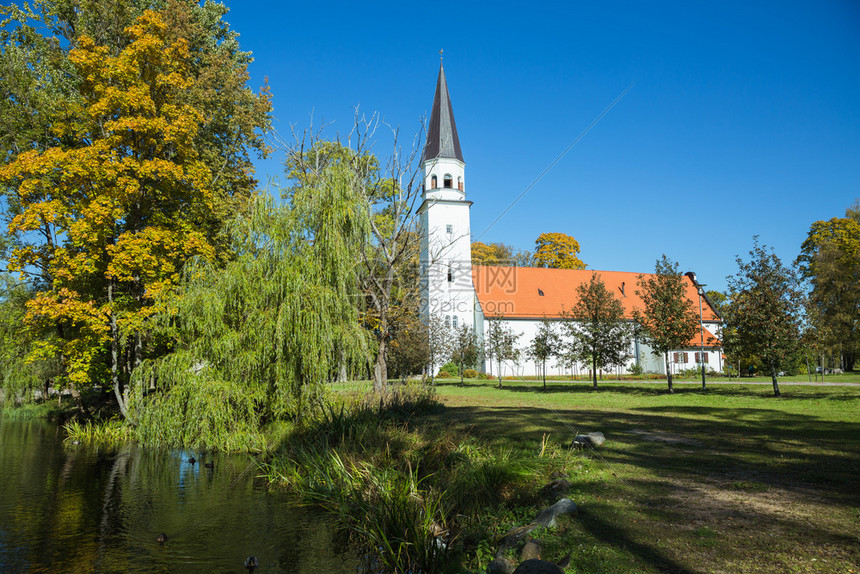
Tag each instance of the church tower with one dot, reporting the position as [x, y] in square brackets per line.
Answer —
[446, 247]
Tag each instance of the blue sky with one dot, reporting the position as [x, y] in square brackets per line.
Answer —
[743, 118]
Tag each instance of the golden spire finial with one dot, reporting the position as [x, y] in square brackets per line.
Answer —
[440, 55]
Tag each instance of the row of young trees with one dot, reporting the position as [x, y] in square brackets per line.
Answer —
[762, 315]
[593, 331]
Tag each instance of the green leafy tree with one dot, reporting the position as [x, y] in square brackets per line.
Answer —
[763, 313]
[596, 327]
[129, 166]
[830, 262]
[668, 320]
[465, 350]
[557, 250]
[257, 339]
[438, 343]
[545, 345]
[500, 344]
[389, 262]
[20, 377]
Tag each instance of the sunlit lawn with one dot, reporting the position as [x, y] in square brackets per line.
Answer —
[729, 480]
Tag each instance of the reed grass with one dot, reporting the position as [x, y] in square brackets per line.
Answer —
[416, 498]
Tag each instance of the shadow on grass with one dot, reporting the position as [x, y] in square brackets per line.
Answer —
[609, 533]
[795, 451]
[653, 389]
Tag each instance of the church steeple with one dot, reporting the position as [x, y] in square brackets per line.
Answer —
[442, 140]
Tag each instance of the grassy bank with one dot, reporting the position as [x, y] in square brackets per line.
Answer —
[729, 480]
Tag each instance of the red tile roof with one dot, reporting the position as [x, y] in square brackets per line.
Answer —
[534, 293]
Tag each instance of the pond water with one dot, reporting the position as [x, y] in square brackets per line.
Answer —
[67, 508]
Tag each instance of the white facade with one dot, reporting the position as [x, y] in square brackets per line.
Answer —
[640, 353]
[446, 244]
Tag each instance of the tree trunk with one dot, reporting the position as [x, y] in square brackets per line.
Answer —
[380, 369]
[594, 370]
[775, 384]
[500, 373]
[543, 367]
[79, 402]
[116, 383]
[668, 372]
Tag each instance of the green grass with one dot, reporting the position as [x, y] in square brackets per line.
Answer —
[732, 479]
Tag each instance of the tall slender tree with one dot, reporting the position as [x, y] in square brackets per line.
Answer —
[596, 327]
[668, 319]
[830, 262]
[545, 344]
[764, 309]
[500, 344]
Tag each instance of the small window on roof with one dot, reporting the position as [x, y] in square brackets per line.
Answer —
[540, 292]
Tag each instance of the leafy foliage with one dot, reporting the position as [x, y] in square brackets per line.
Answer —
[256, 340]
[465, 349]
[494, 254]
[596, 326]
[830, 261]
[389, 261]
[546, 344]
[132, 154]
[762, 315]
[668, 319]
[557, 250]
[501, 344]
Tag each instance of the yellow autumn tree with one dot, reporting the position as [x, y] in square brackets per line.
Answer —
[557, 250]
[109, 216]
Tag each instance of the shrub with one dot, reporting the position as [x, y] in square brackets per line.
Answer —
[449, 368]
[444, 375]
[470, 374]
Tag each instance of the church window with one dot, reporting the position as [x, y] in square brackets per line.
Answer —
[448, 180]
[454, 321]
[450, 275]
[447, 321]
[449, 229]
[460, 183]
[433, 182]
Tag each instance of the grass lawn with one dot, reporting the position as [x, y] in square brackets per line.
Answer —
[730, 480]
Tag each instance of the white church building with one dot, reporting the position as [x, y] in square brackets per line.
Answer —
[459, 293]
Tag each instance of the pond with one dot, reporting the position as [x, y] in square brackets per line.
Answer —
[70, 508]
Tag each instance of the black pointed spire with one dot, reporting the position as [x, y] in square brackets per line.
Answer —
[442, 140]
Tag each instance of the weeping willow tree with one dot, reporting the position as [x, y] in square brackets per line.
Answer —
[256, 340]
[20, 374]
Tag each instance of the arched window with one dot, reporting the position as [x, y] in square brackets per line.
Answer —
[454, 321]
[448, 180]
[460, 183]
[450, 274]
[433, 182]
[447, 321]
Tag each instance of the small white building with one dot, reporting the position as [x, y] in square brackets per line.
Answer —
[460, 294]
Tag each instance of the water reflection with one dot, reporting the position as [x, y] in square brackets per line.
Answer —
[78, 509]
